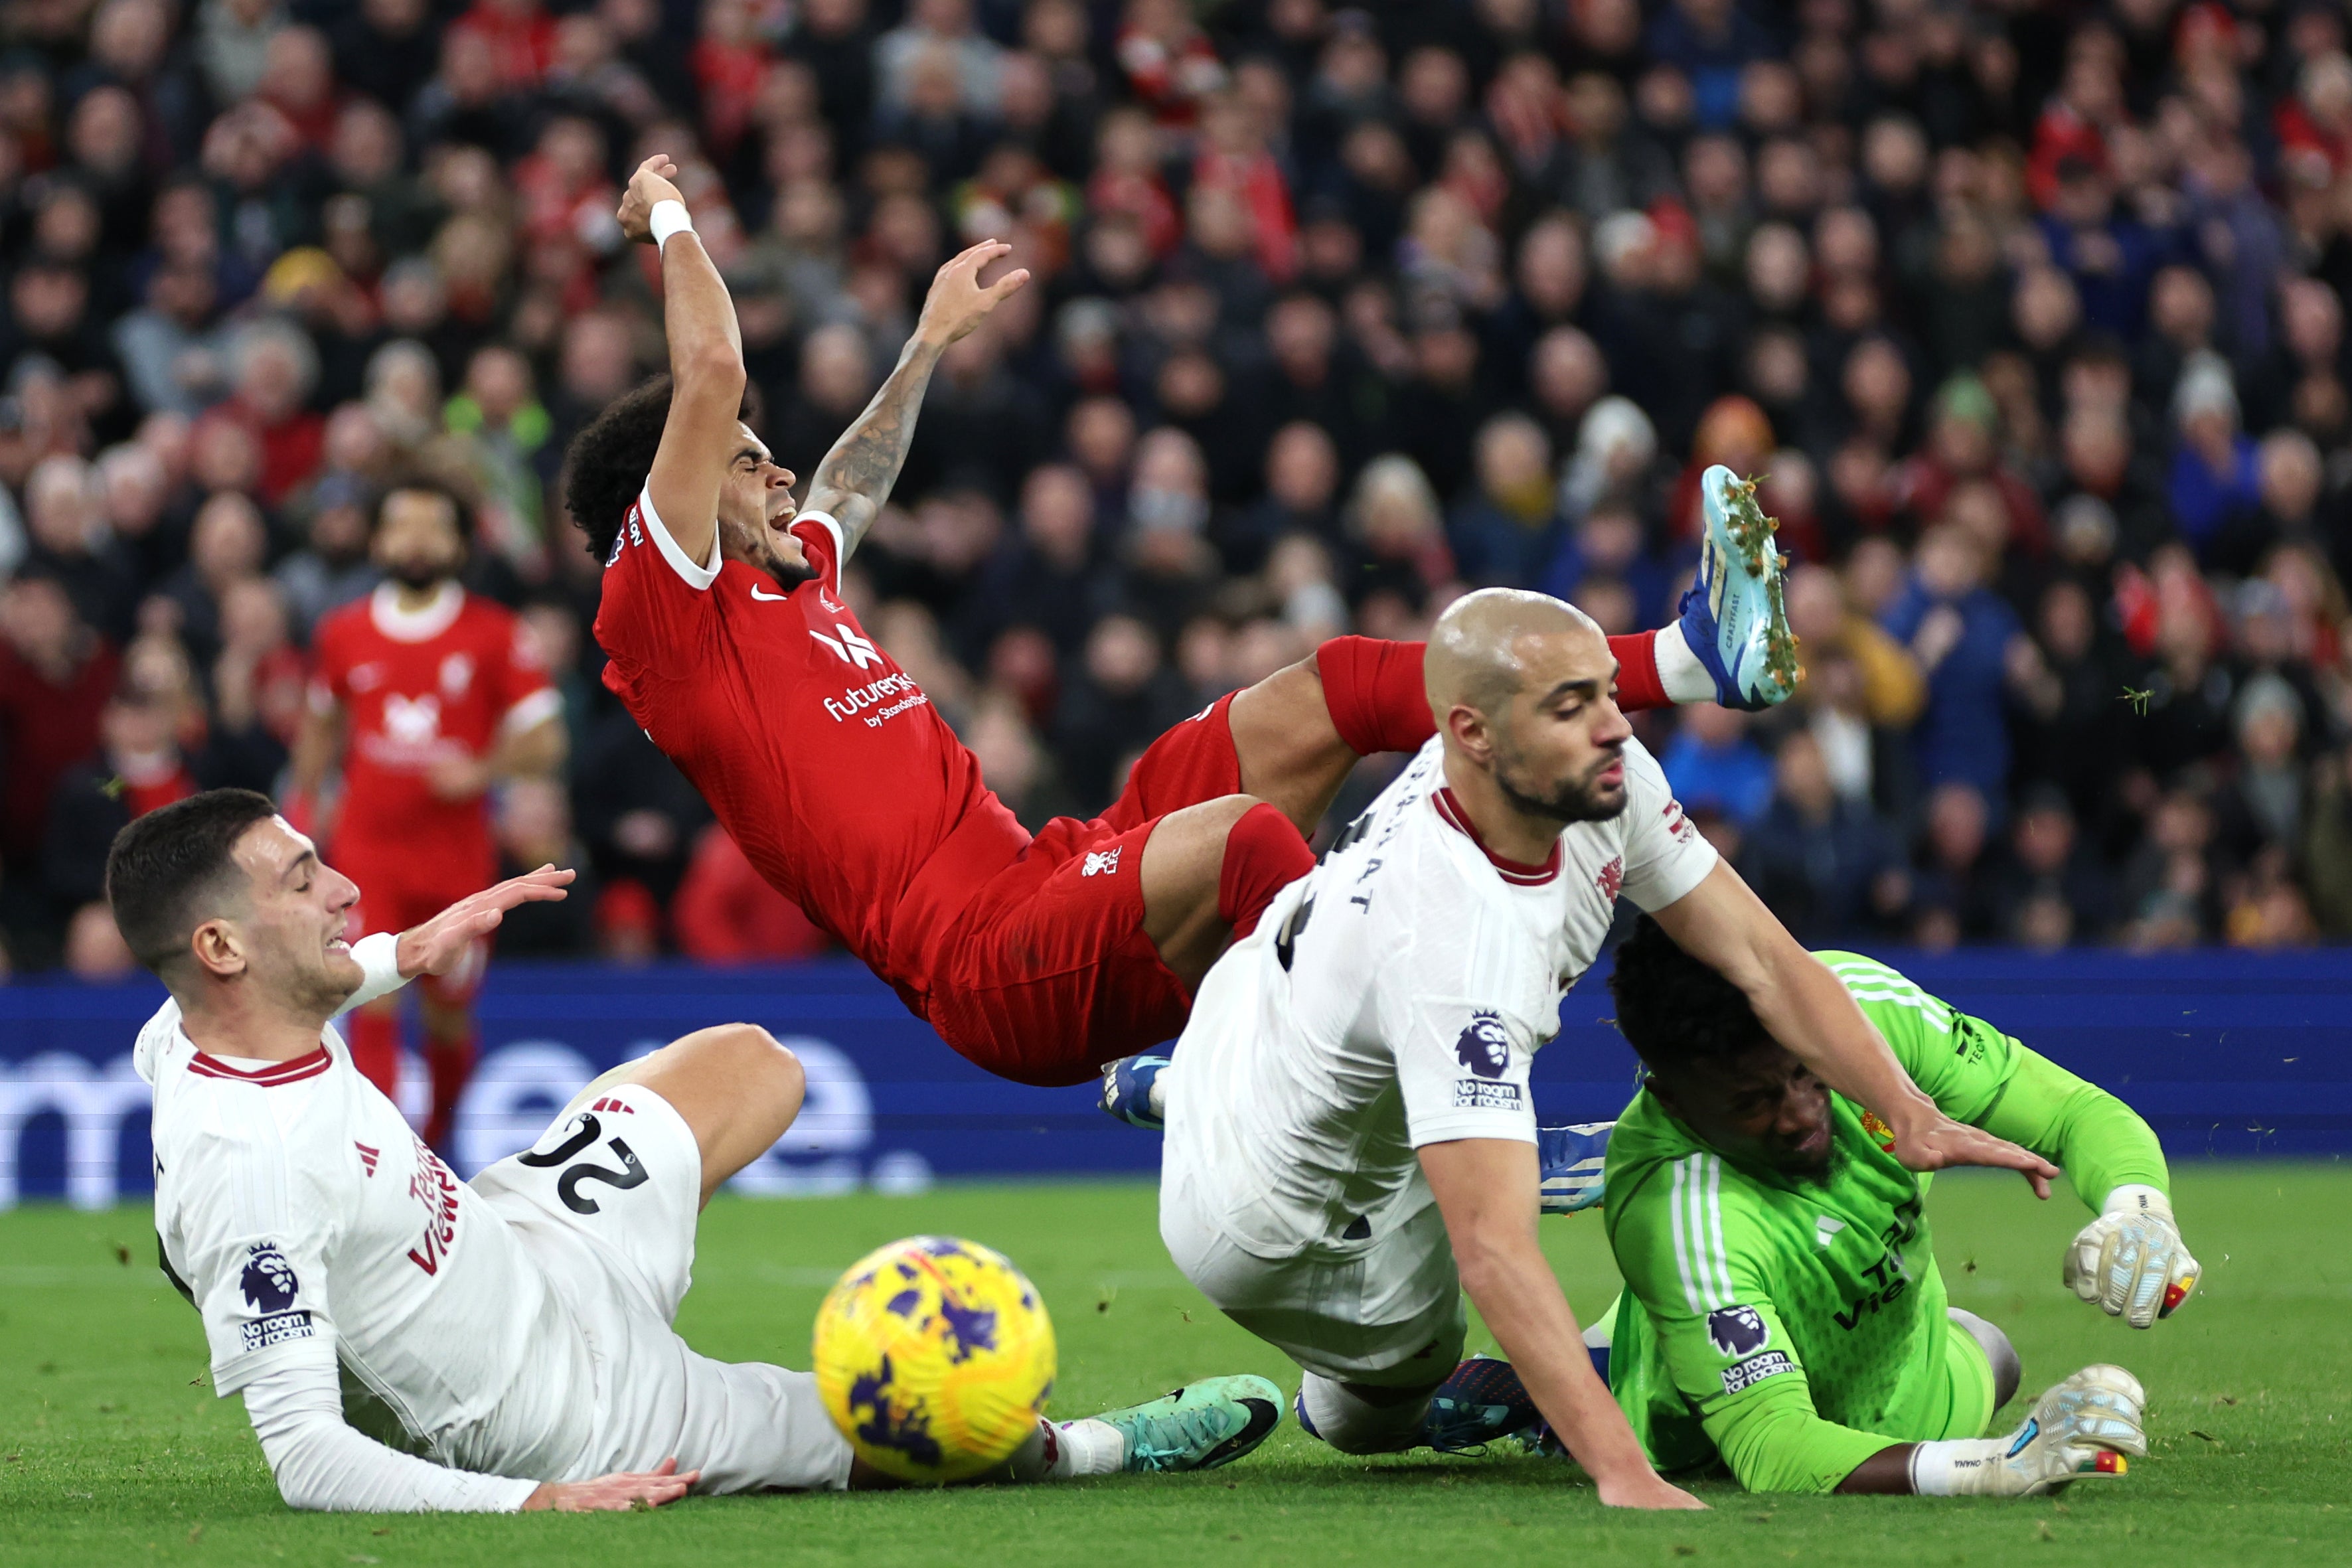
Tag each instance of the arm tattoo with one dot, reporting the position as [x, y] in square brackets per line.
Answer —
[854, 478]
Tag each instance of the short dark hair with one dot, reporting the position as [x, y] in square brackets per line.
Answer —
[169, 869]
[608, 461]
[428, 484]
[1674, 1010]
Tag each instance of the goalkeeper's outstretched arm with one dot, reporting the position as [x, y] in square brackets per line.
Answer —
[2130, 1260]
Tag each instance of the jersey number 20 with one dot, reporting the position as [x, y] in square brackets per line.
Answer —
[567, 1187]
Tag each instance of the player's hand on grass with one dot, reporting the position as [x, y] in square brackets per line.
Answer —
[1646, 1488]
[2130, 1259]
[957, 303]
[2087, 1426]
[1935, 1142]
[436, 946]
[650, 185]
[608, 1494]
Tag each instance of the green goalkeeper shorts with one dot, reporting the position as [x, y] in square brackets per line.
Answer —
[1966, 1398]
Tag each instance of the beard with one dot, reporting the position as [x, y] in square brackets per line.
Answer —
[419, 575]
[1581, 799]
[783, 572]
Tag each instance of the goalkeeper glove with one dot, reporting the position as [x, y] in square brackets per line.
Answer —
[2130, 1260]
[1571, 1159]
[2080, 1428]
[1131, 1091]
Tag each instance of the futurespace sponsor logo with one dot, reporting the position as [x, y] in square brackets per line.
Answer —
[852, 702]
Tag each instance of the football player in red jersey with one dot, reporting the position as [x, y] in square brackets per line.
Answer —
[1040, 958]
[427, 696]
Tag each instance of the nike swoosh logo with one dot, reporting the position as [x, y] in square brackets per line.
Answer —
[771, 598]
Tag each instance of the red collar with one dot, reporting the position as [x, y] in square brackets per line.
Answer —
[269, 1075]
[1517, 872]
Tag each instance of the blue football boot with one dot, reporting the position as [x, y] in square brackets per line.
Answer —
[1484, 1402]
[1572, 1159]
[1733, 617]
[1130, 1092]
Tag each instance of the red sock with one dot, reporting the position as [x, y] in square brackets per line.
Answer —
[1264, 855]
[374, 1037]
[1638, 685]
[1373, 688]
[451, 1065]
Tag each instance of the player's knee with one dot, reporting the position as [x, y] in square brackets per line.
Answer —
[2008, 1370]
[1355, 1419]
[760, 1067]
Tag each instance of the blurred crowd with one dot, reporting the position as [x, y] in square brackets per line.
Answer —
[2030, 315]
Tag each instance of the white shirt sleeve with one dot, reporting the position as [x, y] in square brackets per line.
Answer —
[1665, 856]
[1462, 1062]
[320, 1462]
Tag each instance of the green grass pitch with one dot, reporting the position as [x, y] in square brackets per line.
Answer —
[111, 1452]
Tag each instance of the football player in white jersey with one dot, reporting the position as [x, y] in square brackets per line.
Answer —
[405, 1341]
[1350, 1141]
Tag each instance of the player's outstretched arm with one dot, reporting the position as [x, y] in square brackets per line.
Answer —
[854, 478]
[2088, 1427]
[705, 363]
[1486, 1189]
[435, 946]
[1726, 926]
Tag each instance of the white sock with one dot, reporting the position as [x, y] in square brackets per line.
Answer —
[1354, 1425]
[1685, 679]
[1059, 1450]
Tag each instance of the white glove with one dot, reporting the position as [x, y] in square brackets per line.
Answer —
[2130, 1260]
[2083, 1427]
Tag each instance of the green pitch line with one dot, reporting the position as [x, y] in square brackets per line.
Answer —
[112, 1452]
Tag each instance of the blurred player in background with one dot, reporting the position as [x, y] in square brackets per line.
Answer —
[1783, 1309]
[1040, 958]
[427, 697]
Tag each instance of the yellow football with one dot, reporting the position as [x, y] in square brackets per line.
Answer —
[935, 1358]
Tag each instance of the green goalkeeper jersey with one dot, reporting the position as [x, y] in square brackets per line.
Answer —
[1795, 1327]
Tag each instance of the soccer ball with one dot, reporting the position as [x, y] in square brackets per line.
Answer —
[935, 1358]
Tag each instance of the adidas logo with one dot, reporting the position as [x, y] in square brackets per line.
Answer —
[367, 1157]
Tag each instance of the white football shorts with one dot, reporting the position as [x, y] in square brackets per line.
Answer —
[606, 1202]
[1388, 1315]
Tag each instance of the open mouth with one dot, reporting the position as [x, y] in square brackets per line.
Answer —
[337, 945]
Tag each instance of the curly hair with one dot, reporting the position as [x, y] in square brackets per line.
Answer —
[608, 461]
[1675, 1010]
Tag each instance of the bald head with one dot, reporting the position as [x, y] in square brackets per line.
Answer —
[1479, 653]
[1522, 686]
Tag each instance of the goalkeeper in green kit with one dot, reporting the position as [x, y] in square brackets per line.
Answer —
[1783, 1309]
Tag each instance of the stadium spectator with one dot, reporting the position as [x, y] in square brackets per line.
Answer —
[2031, 322]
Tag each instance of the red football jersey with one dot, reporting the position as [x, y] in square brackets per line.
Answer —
[829, 764]
[419, 687]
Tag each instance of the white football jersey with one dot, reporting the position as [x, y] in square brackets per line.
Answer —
[311, 1226]
[1396, 996]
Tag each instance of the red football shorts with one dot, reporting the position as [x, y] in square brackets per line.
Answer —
[1047, 973]
[399, 887]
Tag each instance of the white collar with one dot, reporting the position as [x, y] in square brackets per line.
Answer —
[416, 626]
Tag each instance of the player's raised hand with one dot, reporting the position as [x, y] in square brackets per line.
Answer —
[2130, 1260]
[436, 946]
[957, 303]
[650, 184]
[1937, 1142]
[613, 1493]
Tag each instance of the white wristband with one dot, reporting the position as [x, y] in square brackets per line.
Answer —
[2138, 1197]
[379, 960]
[1955, 1467]
[669, 217]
